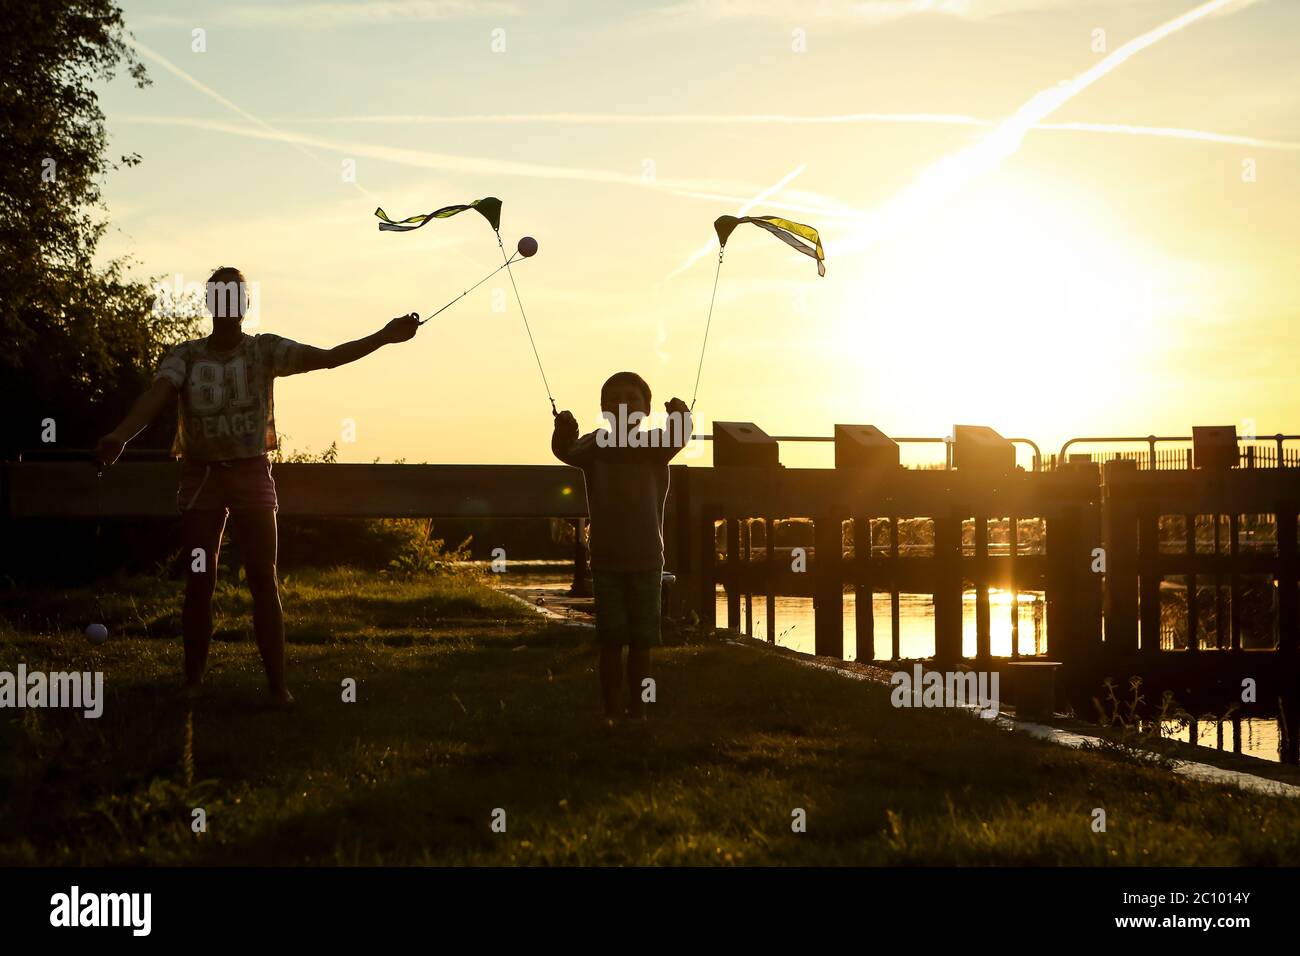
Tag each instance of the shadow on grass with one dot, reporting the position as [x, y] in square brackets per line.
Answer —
[453, 724]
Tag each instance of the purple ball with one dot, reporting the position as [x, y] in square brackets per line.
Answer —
[527, 247]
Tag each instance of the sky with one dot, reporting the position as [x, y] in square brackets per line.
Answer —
[1053, 217]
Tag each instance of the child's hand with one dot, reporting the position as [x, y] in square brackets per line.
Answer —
[678, 406]
[401, 329]
[566, 424]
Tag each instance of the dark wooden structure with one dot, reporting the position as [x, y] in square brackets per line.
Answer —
[1162, 573]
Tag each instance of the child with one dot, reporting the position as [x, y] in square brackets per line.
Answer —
[626, 472]
[226, 429]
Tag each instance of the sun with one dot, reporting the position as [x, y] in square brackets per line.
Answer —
[1017, 302]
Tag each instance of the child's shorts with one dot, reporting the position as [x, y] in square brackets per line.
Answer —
[627, 607]
[242, 484]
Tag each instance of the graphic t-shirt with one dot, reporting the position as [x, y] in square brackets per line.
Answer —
[626, 492]
[227, 410]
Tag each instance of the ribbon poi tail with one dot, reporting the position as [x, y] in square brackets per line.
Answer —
[489, 208]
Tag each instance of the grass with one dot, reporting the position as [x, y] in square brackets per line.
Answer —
[467, 703]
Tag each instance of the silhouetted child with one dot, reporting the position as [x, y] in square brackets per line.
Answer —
[626, 472]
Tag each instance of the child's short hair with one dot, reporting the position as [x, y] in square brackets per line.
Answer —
[625, 378]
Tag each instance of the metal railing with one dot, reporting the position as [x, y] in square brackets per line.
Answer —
[1153, 459]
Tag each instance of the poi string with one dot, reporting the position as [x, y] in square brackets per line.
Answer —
[705, 344]
[527, 328]
[467, 291]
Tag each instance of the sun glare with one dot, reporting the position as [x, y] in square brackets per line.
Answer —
[1017, 299]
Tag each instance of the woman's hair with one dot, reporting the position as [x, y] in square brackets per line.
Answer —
[625, 378]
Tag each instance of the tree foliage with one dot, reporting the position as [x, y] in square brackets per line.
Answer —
[80, 339]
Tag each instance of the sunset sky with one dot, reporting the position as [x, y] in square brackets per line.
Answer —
[1135, 275]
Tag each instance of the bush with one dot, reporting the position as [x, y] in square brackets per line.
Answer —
[400, 545]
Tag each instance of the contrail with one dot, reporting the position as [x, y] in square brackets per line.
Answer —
[779, 119]
[744, 210]
[234, 107]
[479, 165]
[943, 178]
[650, 119]
[1174, 132]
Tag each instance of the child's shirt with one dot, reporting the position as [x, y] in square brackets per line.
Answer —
[227, 409]
[626, 491]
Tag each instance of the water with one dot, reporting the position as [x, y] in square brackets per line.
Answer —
[794, 623]
[1259, 736]
[795, 630]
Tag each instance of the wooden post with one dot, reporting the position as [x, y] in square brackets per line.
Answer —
[1219, 615]
[733, 576]
[1288, 723]
[983, 628]
[708, 579]
[863, 590]
[1234, 582]
[1119, 538]
[1074, 590]
[679, 555]
[1013, 536]
[1149, 579]
[947, 592]
[1061, 534]
[1288, 608]
[895, 639]
[747, 558]
[1193, 639]
[771, 580]
[828, 587]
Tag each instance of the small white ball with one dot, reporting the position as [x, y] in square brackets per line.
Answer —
[97, 633]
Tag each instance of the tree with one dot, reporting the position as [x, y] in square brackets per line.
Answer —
[79, 342]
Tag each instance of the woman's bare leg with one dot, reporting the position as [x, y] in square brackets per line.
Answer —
[201, 531]
[611, 677]
[256, 533]
[638, 669]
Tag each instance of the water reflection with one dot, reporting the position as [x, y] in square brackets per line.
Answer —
[1251, 736]
[1258, 736]
[794, 623]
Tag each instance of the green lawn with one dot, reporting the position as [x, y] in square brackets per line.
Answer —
[468, 703]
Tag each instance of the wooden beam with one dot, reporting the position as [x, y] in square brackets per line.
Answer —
[148, 490]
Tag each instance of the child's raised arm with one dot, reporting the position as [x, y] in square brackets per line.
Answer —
[565, 443]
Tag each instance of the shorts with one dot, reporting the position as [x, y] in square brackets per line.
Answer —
[627, 607]
[241, 484]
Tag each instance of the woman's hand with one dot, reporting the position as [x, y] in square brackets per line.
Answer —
[109, 448]
[401, 329]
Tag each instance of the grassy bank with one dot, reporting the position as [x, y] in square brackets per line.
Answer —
[468, 703]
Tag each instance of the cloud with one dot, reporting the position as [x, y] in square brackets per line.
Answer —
[857, 12]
